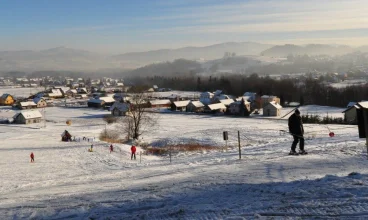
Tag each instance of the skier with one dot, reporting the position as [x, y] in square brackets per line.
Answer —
[32, 157]
[133, 149]
[111, 148]
[297, 130]
[91, 147]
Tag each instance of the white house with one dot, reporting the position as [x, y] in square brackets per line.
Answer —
[27, 117]
[272, 109]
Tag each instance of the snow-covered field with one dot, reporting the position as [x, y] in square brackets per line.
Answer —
[67, 182]
[20, 91]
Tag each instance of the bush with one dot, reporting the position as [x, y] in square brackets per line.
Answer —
[316, 119]
[192, 147]
[111, 136]
[109, 119]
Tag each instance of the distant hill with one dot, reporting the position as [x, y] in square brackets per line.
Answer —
[310, 49]
[60, 58]
[167, 68]
[194, 53]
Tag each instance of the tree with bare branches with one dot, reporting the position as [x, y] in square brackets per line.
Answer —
[140, 118]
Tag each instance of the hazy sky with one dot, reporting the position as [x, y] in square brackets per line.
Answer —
[117, 26]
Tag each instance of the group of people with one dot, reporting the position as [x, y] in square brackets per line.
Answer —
[133, 149]
[296, 129]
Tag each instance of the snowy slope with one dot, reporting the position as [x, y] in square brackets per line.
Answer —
[67, 182]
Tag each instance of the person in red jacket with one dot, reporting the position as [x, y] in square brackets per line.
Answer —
[133, 149]
[32, 157]
[111, 148]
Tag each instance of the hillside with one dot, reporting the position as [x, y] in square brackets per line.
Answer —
[310, 49]
[194, 53]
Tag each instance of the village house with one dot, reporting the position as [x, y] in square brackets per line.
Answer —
[235, 109]
[179, 105]
[206, 97]
[350, 114]
[26, 105]
[101, 102]
[119, 109]
[56, 93]
[71, 93]
[265, 99]
[159, 103]
[195, 106]
[215, 108]
[226, 102]
[272, 109]
[27, 117]
[7, 99]
[40, 102]
[82, 91]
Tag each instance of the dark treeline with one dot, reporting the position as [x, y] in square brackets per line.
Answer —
[306, 91]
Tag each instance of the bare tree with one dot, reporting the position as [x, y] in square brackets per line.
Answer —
[140, 118]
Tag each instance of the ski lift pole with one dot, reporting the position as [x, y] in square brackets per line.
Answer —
[239, 145]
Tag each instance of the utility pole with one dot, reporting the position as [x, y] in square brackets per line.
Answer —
[44, 115]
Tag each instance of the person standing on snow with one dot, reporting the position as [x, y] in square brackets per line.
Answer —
[32, 157]
[133, 149]
[297, 130]
[111, 148]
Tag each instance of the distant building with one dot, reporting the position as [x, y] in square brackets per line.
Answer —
[26, 105]
[180, 105]
[265, 99]
[28, 117]
[6, 99]
[272, 109]
[160, 103]
[195, 106]
[40, 102]
[234, 107]
[119, 109]
[215, 108]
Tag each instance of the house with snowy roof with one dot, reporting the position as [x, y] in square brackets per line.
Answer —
[26, 105]
[195, 106]
[179, 105]
[215, 108]
[40, 102]
[101, 102]
[27, 117]
[272, 109]
[7, 99]
[120, 108]
[159, 103]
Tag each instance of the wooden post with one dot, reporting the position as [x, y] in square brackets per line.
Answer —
[239, 145]
[170, 154]
[140, 157]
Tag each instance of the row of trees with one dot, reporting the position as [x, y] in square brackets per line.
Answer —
[305, 91]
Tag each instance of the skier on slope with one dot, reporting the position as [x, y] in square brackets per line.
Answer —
[32, 157]
[297, 130]
[111, 148]
[133, 150]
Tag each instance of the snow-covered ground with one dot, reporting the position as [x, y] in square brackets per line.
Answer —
[347, 83]
[68, 182]
[20, 91]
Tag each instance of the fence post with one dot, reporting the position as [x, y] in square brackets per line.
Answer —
[140, 157]
[239, 145]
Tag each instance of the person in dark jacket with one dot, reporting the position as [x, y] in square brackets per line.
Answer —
[297, 130]
[32, 157]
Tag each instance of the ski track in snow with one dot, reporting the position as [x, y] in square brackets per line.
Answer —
[67, 182]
